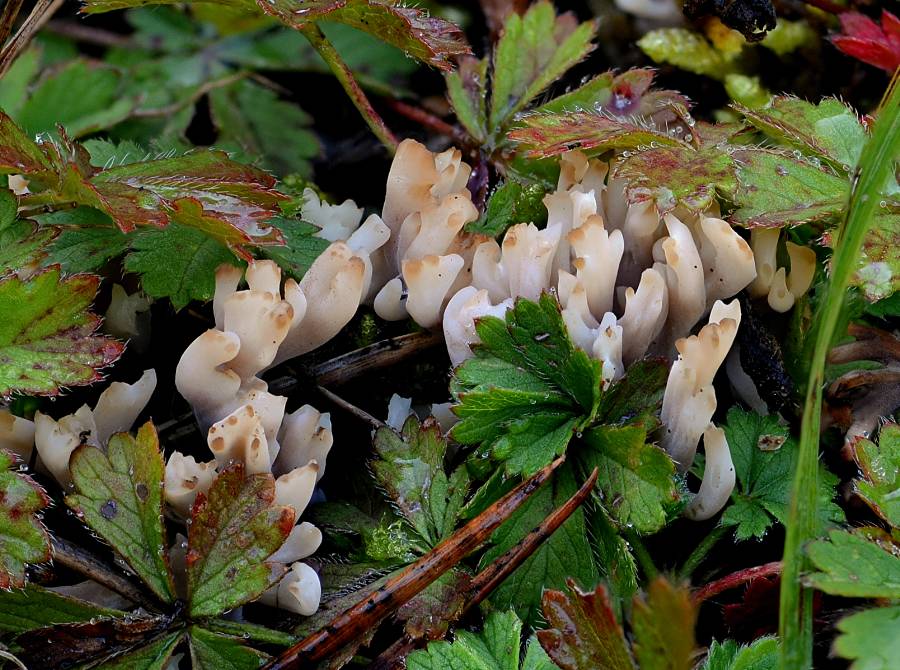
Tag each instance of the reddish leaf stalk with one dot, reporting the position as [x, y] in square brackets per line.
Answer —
[365, 615]
[736, 579]
[426, 119]
[344, 75]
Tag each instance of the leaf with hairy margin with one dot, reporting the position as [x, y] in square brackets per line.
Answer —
[234, 528]
[212, 651]
[880, 466]
[23, 537]
[854, 566]
[871, 638]
[47, 338]
[153, 656]
[119, 495]
[582, 630]
[36, 607]
[663, 621]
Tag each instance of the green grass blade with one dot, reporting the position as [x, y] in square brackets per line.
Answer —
[875, 166]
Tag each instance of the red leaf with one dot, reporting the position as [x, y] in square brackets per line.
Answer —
[865, 40]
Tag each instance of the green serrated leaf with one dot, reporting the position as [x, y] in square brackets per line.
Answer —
[854, 566]
[762, 654]
[764, 456]
[177, 262]
[234, 528]
[23, 538]
[119, 495]
[639, 392]
[301, 246]
[466, 92]
[663, 624]
[880, 466]
[22, 244]
[153, 656]
[830, 130]
[614, 559]
[86, 242]
[879, 265]
[265, 129]
[871, 639]
[410, 468]
[509, 204]
[36, 607]
[564, 554]
[99, 105]
[249, 631]
[497, 647]
[636, 478]
[687, 50]
[211, 651]
[18, 153]
[527, 389]
[583, 632]
[776, 188]
[533, 52]
[47, 339]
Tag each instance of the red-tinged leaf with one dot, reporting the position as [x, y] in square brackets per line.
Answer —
[23, 538]
[865, 40]
[549, 134]
[190, 212]
[429, 615]
[583, 631]
[119, 495]
[239, 196]
[663, 623]
[756, 613]
[234, 529]
[18, 153]
[47, 338]
[677, 175]
[426, 38]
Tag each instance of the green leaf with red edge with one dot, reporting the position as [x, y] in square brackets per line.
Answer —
[18, 153]
[119, 495]
[582, 631]
[775, 188]
[47, 338]
[234, 528]
[22, 244]
[663, 623]
[533, 52]
[552, 134]
[880, 466]
[678, 175]
[427, 38]
[212, 651]
[829, 130]
[153, 656]
[23, 538]
[466, 92]
[879, 267]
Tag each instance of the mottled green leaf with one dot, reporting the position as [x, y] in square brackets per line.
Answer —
[211, 651]
[509, 204]
[23, 538]
[880, 466]
[663, 623]
[270, 132]
[829, 130]
[776, 188]
[764, 456]
[871, 639]
[47, 338]
[410, 468]
[879, 265]
[564, 554]
[87, 248]
[177, 262]
[18, 153]
[36, 607]
[762, 654]
[527, 389]
[636, 478]
[301, 246]
[854, 566]
[119, 495]
[234, 528]
[687, 50]
[153, 656]
[22, 244]
[582, 631]
[639, 392]
[533, 52]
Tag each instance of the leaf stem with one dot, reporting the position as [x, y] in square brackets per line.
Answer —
[736, 579]
[344, 75]
[701, 550]
[875, 166]
[641, 554]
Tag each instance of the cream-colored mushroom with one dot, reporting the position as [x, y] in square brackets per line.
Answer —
[335, 222]
[728, 263]
[803, 269]
[295, 488]
[764, 243]
[684, 279]
[576, 313]
[202, 377]
[16, 434]
[390, 303]
[718, 477]
[690, 399]
[399, 410]
[298, 591]
[463, 309]
[641, 227]
[302, 542]
[428, 281]
[645, 314]
[227, 279]
[120, 404]
[524, 265]
[779, 298]
[56, 440]
[240, 437]
[121, 317]
[305, 436]
[184, 479]
[607, 349]
[598, 254]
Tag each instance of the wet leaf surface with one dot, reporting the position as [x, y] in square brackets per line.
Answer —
[854, 566]
[36, 607]
[23, 537]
